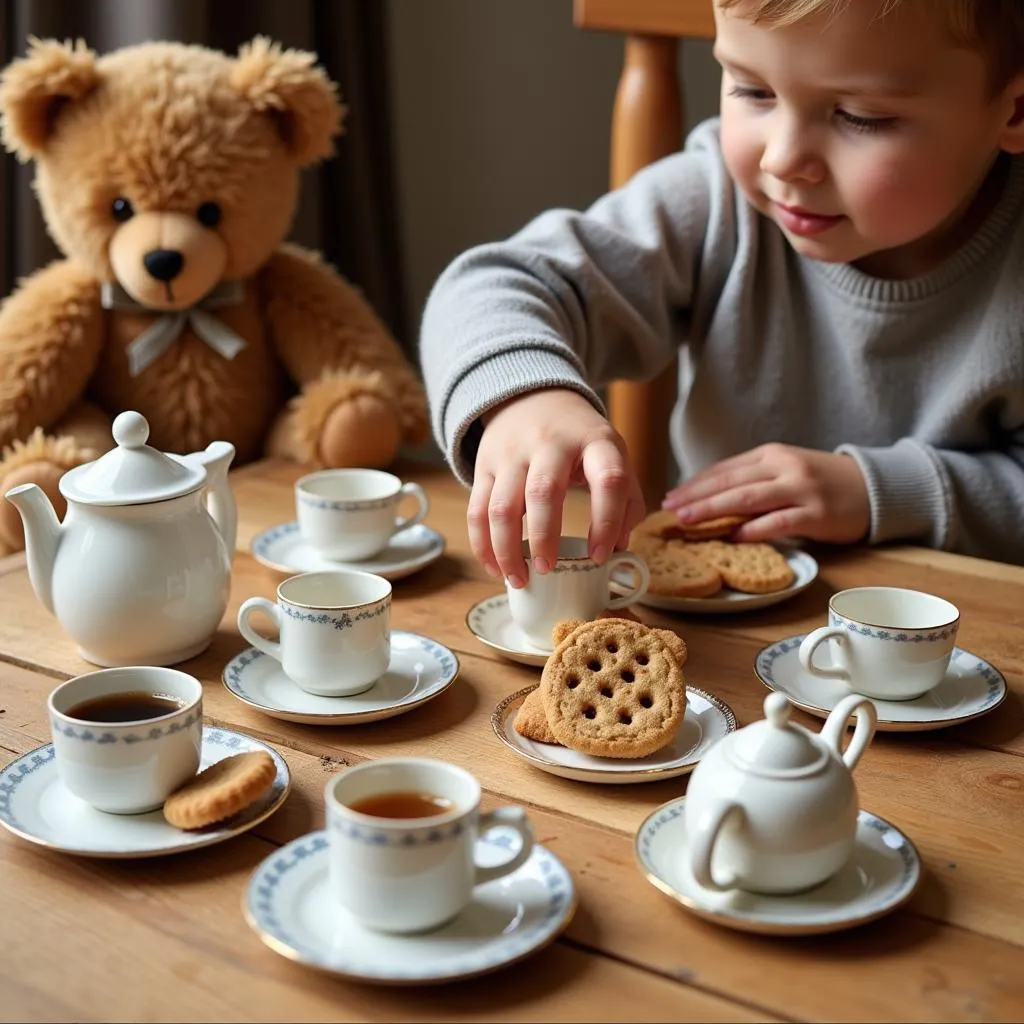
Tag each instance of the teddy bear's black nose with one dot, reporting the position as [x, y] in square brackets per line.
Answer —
[164, 264]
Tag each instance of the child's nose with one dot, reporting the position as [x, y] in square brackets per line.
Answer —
[789, 156]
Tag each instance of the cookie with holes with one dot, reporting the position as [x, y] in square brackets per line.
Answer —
[615, 688]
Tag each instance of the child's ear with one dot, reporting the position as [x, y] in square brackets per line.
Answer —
[35, 88]
[288, 86]
[1012, 140]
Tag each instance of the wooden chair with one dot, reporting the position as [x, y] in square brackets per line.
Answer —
[647, 124]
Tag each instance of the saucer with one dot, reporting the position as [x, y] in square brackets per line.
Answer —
[490, 621]
[707, 720]
[289, 905]
[970, 688]
[882, 873]
[726, 601]
[282, 548]
[35, 805]
[420, 669]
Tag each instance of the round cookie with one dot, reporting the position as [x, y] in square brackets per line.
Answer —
[220, 790]
[614, 688]
[678, 568]
[753, 568]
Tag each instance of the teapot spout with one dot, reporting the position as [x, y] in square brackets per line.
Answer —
[42, 537]
[220, 500]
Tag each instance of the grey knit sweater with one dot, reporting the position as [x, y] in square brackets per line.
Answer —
[921, 381]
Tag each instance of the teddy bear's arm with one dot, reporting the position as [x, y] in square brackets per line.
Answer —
[51, 333]
[323, 327]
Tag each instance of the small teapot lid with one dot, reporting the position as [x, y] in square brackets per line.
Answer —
[775, 746]
[133, 473]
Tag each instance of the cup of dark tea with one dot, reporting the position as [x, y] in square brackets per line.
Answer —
[125, 738]
[402, 832]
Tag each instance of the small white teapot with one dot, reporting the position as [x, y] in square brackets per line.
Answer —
[139, 571]
[772, 808]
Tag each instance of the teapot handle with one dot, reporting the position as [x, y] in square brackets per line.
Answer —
[220, 499]
[835, 726]
[702, 839]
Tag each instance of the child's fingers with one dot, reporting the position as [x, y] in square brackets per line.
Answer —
[722, 476]
[505, 518]
[611, 485]
[744, 499]
[547, 480]
[775, 525]
[478, 524]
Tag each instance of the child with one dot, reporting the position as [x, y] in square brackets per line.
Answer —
[839, 260]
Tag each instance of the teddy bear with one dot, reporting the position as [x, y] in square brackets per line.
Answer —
[168, 176]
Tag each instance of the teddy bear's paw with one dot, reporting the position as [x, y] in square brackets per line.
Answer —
[361, 431]
[42, 472]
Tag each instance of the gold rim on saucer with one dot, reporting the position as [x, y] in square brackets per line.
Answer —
[503, 712]
[536, 660]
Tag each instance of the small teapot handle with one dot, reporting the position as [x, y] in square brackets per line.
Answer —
[220, 499]
[702, 836]
[835, 726]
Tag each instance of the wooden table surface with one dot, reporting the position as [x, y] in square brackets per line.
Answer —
[164, 939]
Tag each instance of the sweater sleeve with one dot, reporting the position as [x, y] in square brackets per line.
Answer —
[968, 502]
[573, 300]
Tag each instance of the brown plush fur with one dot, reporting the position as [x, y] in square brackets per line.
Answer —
[169, 128]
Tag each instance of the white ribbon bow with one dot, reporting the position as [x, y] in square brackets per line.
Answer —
[155, 340]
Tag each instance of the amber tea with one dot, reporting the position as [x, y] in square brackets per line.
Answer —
[402, 805]
[135, 706]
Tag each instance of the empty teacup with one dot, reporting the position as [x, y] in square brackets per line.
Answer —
[885, 642]
[125, 738]
[334, 627]
[350, 514]
[402, 833]
[576, 587]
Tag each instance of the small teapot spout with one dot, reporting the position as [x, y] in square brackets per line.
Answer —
[42, 537]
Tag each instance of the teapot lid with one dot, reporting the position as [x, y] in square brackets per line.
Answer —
[775, 746]
[133, 473]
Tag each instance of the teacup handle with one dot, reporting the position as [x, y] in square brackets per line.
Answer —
[702, 843]
[506, 817]
[406, 522]
[273, 613]
[642, 577]
[811, 643]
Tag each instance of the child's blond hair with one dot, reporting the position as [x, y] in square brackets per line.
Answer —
[993, 27]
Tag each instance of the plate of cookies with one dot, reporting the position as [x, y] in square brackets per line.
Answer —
[613, 707]
[698, 569]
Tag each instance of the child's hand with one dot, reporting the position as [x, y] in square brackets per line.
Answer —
[533, 449]
[788, 492]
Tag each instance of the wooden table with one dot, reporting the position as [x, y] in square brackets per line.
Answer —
[164, 939]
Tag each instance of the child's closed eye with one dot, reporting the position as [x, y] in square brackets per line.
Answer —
[749, 92]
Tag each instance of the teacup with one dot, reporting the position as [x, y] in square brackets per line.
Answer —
[411, 874]
[334, 630]
[125, 738]
[576, 587]
[886, 642]
[350, 514]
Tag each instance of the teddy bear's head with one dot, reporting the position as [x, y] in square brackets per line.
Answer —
[168, 168]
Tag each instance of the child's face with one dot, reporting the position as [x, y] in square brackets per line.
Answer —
[866, 140]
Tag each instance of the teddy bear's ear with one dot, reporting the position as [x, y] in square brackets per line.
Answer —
[34, 89]
[287, 85]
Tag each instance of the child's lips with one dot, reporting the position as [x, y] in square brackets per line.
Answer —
[799, 221]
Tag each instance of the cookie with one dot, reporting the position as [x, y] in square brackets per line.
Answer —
[566, 626]
[531, 719]
[753, 568]
[221, 790]
[677, 568]
[665, 525]
[615, 688]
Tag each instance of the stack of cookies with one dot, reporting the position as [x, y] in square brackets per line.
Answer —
[698, 560]
[611, 687]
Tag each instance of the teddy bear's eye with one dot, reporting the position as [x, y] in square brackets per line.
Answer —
[208, 215]
[122, 209]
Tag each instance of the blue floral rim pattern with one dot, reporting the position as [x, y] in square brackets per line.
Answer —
[358, 505]
[98, 735]
[343, 621]
[899, 636]
[264, 894]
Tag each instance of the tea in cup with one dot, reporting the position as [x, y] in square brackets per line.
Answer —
[350, 514]
[334, 630]
[402, 832]
[886, 642]
[125, 738]
[576, 587]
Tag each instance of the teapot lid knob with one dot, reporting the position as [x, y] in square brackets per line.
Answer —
[777, 709]
[130, 429]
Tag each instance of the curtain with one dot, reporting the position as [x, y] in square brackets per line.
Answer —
[346, 208]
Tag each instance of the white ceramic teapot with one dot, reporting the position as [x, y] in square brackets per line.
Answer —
[139, 571]
[772, 808]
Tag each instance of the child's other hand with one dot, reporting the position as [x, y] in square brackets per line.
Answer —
[787, 492]
[533, 449]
